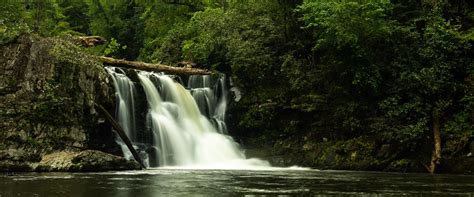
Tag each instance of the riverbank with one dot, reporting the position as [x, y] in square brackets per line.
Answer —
[360, 154]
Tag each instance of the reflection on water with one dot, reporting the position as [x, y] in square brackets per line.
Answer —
[186, 182]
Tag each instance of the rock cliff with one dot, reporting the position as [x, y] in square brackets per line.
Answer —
[48, 87]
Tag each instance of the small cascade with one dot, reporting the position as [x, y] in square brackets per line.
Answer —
[212, 101]
[186, 124]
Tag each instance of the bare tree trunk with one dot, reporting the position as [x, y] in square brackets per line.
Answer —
[436, 157]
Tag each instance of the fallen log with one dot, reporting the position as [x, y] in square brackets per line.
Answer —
[90, 41]
[121, 133]
[152, 67]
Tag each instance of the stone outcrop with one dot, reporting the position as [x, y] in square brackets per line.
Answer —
[84, 161]
[48, 87]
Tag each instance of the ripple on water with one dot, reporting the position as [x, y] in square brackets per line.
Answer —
[31, 178]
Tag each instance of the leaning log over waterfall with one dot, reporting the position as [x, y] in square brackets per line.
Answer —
[152, 67]
[121, 133]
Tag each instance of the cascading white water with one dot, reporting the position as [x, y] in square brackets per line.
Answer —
[212, 101]
[125, 110]
[188, 128]
[125, 89]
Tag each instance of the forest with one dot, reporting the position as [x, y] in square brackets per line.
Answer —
[345, 84]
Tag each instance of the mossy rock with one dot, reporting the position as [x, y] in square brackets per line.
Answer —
[85, 161]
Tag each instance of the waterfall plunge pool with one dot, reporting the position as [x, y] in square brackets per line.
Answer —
[269, 182]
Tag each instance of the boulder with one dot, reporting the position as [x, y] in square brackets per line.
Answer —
[85, 161]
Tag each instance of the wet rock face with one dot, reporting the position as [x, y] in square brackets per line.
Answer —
[48, 87]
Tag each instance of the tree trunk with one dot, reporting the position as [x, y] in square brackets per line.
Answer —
[121, 133]
[436, 157]
[153, 67]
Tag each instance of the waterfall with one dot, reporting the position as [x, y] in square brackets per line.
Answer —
[187, 125]
[125, 106]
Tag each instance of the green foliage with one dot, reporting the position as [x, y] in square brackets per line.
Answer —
[396, 74]
[12, 21]
[210, 36]
[47, 18]
[243, 40]
[161, 20]
[350, 37]
[75, 14]
[433, 82]
[351, 45]
[260, 116]
[307, 103]
[44, 17]
[120, 20]
[113, 47]
[170, 50]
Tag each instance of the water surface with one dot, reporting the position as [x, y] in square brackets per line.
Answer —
[277, 182]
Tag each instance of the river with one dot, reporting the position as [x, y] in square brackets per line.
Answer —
[274, 182]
